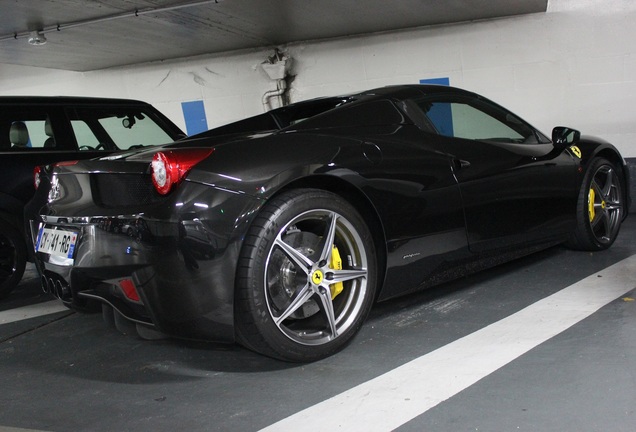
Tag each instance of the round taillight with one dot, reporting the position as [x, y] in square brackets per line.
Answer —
[170, 167]
[163, 175]
[36, 176]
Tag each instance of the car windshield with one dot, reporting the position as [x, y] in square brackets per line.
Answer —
[117, 128]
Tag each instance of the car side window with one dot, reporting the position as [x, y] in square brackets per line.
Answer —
[25, 131]
[476, 119]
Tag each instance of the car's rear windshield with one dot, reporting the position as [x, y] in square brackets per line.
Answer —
[117, 128]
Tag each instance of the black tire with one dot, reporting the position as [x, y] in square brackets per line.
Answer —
[600, 207]
[285, 308]
[12, 258]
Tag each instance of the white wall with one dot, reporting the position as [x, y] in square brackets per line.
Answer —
[574, 65]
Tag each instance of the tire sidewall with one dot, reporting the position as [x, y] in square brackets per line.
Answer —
[283, 210]
[586, 239]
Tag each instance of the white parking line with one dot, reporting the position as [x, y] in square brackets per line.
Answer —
[31, 311]
[12, 429]
[390, 400]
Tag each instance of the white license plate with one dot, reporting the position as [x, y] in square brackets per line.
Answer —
[56, 242]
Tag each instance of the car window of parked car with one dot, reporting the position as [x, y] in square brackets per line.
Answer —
[23, 131]
[477, 119]
[116, 128]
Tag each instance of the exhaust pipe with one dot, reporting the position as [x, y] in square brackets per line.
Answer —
[57, 286]
[45, 285]
[62, 290]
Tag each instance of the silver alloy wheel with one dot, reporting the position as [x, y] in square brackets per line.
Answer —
[309, 257]
[605, 207]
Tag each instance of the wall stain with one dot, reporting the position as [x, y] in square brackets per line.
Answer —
[164, 78]
[214, 73]
[198, 79]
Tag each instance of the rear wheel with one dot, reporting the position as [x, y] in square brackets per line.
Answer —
[12, 258]
[306, 278]
[600, 207]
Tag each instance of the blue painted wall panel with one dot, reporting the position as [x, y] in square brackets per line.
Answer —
[438, 81]
[194, 115]
[441, 114]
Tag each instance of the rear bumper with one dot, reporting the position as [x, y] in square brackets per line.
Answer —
[182, 266]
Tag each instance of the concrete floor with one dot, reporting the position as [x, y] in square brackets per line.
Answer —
[69, 372]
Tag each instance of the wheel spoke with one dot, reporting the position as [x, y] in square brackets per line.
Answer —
[600, 216]
[304, 294]
[609, 182]
[597, 188]
[327, 304]
[330, 235]
[613, 205]
[335, 276]
[298, 258]
[605, 220]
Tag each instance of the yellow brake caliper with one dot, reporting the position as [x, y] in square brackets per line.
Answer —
[335, 264]
[590, 204]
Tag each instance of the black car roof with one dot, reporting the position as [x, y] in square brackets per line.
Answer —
[398, 92]
[66, 100]
[406, 91]
[288, 115]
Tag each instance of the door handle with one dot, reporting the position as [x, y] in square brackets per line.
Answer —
[460, 164]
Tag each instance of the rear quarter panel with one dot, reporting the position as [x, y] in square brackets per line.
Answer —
[412, 190]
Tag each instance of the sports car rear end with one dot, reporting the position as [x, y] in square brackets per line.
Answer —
[102, 231]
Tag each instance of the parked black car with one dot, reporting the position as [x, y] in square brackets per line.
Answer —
[42, 130]
[282, 240]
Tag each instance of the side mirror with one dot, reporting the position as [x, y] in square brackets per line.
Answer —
[563, 136]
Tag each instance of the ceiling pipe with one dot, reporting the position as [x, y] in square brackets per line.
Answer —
[128, 14]
[282, 86]
[276, 67]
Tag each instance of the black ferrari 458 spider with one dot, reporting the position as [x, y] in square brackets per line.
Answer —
[281, 230]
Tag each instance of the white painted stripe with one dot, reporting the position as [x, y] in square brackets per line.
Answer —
[31, 311]
[390, 400]
[12, 429]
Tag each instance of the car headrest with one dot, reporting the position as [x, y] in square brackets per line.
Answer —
[19, 134]
[48, 130]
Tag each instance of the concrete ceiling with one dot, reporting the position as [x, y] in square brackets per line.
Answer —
[85, 35]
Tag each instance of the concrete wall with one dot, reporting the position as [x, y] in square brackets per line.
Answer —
[574, 65]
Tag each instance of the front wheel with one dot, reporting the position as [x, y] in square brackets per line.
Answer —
[307, 277]
[600, 207]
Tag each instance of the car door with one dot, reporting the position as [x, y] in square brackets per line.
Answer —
[516, 187]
